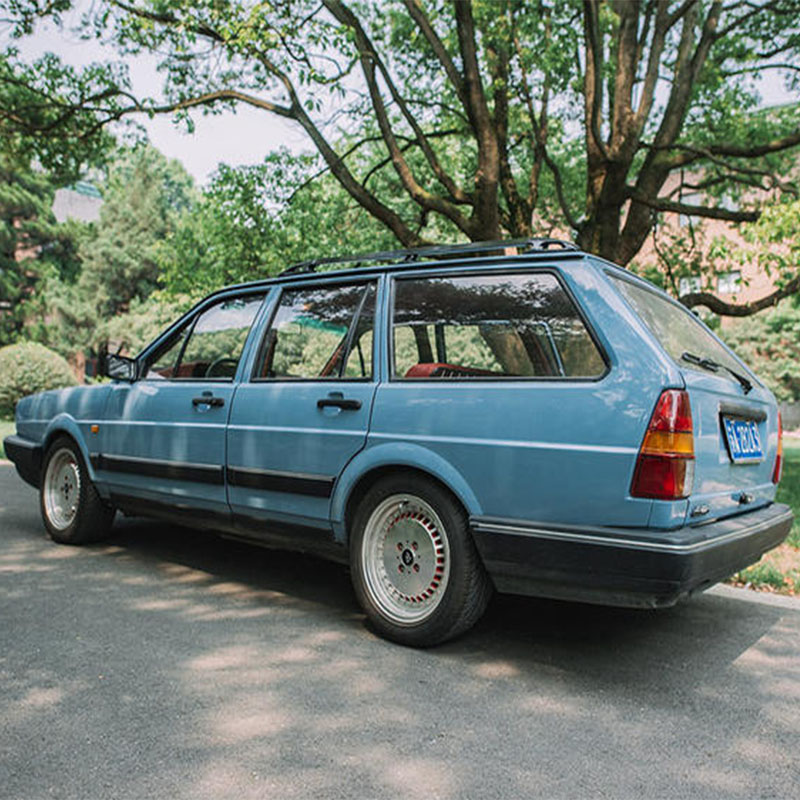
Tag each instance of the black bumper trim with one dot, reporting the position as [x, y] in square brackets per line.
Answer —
[626, 567]
[26, 456]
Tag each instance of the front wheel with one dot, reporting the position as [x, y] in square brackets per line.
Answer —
[414, 565]
[72, 510]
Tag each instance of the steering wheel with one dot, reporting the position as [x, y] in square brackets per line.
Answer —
[229, 368]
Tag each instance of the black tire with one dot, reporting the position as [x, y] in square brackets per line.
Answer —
[64, 478]
[407, 523]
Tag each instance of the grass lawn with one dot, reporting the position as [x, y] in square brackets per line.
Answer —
[779, 570]
[7, 427]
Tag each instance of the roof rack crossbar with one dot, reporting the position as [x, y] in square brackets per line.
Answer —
[433, 251]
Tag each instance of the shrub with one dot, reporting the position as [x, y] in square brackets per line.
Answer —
[26, 368]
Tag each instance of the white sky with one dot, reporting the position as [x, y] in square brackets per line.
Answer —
[245, 137]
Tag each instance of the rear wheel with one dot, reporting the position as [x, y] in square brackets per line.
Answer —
[414, 565]
[72, 510]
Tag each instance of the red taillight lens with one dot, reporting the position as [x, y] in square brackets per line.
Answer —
[776, 473]
[665, 467]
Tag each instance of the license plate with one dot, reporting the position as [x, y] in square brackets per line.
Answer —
[744, 443]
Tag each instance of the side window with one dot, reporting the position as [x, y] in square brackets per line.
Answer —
[321, 332]
[210, 345]
[490, 326]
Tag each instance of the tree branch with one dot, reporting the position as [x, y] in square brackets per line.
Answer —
[662, 204]
[593, 83]
[485, 215]
[719, 306]
[416, 13]
[369, 61]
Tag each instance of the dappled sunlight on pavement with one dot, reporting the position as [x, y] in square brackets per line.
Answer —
[172, 663]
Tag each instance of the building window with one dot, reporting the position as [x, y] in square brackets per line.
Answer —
[692, 199]
[729, 282]
[690, 285]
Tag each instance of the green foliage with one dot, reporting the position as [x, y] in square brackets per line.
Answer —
[29, 367]
[33, 245]
[774, 242]
[253, 222]
[789, 487]
[144, 196]
[144, 320]
[769, 342]
[763, 574]
[43, 119]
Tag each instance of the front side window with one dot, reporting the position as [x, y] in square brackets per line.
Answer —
[210, 345]
[321, 332]
[490, 326]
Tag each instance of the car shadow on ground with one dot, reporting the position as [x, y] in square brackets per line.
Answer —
[623, 644]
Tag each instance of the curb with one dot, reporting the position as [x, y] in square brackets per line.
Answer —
[750, 596]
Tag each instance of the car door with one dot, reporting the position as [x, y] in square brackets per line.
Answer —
[305, 411]
[164, 438]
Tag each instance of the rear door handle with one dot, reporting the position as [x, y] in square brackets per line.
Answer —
[208, 400]
[339, 402]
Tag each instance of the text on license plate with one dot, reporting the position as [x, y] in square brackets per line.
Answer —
[744, 443]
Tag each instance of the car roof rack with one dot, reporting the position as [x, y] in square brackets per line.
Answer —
[414, 254]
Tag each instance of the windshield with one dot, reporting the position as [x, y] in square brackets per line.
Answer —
[676, 328]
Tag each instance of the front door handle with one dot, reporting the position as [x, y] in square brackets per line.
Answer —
[339, 402]
[208, 400]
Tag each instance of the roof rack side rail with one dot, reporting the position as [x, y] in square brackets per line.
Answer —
[548, 243]
[502, 246]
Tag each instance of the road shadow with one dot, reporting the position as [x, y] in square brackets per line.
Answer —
[203, 667]
[702, 635]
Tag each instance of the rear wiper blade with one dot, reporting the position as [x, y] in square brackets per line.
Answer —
[715, 366]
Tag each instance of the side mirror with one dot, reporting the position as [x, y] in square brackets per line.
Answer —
[120, 368]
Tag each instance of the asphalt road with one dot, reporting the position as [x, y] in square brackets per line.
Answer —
[174, 664]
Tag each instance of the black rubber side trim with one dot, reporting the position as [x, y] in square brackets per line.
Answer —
[154, 468]
[274, 481]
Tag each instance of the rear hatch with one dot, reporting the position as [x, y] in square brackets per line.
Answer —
[735, 442]
[735, 417]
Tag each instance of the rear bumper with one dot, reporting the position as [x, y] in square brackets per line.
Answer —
[27, 458]
[622, 566]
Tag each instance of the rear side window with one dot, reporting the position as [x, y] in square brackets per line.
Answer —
[321, 332]
[677, 330]
[490, 326]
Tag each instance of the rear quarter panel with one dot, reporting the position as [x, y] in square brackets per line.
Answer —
[553, 451]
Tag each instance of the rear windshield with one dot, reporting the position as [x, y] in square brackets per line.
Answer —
[676, 328]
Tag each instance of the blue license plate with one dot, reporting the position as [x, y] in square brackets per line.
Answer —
[744, 443]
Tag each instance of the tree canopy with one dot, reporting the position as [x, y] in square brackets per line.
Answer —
[469, 119]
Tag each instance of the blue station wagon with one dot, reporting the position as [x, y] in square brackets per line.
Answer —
[519, 416]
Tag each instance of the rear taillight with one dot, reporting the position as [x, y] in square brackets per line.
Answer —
[776, 473]
[665, 467]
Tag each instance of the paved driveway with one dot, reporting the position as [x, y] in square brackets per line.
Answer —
[174, 664]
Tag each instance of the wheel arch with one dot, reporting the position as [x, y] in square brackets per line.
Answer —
[375, 463]
[65, 425]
